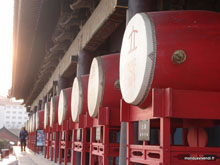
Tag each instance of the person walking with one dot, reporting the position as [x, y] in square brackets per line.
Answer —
[23, 135]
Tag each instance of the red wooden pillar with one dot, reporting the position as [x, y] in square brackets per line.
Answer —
[184, 136]
[66, 147]
[92, 139]
[73, 152]
[45, 153]
[56, 147]
[48, 144]
[130, 140]
[60, 150]
[165, 139]
[83, 154]
[52, 147]
[106, 144]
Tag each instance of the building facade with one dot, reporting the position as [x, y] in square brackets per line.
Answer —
[13, 115]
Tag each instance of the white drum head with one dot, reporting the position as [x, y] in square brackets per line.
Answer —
[137, 59]
[34, 121]
[62, 107]
[52, 111]
[27, 127]
[37, 119]
[95, 86]
[46, 115]
[76, 99]
[30, 124]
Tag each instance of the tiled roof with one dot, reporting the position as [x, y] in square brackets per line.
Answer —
[7, 135]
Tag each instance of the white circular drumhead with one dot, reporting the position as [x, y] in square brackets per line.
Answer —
[95, 86]
[34, 121]
[76, 99]
[46, 115]
[37, 120]
[137, 59]
[31, 124]
[52, 111]
[62, 107]
[27, 126]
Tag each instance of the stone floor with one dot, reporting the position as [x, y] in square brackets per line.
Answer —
[30, 158]
[11, 160]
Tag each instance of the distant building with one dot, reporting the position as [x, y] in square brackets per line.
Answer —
[6, 135]
[13, 115]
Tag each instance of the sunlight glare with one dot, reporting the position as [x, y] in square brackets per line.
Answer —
[6, 40]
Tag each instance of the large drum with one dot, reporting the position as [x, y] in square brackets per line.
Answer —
[33, 122]
[79, 97]
[46, 114]
[64, 107]
[40, 119]
[27, 126]
[177, 49]
[103, 86]
[30, 124]
[54, 110]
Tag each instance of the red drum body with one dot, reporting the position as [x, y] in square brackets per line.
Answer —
[40, 119]
[103, 85]
[79, 97]
[177, 49]
[64, 107]
[54, 110]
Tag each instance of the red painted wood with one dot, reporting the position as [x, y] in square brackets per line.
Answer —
[166, 107]
[199, 71]
[108, 69]
[197, 137]
[41, 119]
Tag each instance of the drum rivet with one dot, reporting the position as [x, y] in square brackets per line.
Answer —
[117, 84]
[178, 57]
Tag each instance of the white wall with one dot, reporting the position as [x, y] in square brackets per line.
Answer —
[15, 116]
[2, 115]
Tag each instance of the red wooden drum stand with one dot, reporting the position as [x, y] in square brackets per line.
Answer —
[47, 130]
[64, 116]
[169, 78]
[39, 125]
[55, 128]
[187, 109]
[32, 134]
[104, 106]
[82, 121]
[80, 144]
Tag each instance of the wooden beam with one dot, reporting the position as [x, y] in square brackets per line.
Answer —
[107, 13]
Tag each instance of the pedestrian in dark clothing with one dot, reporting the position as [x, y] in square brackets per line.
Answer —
[23, 135]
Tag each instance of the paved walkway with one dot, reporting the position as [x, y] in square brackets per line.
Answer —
[30, 158]
[10, 160]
